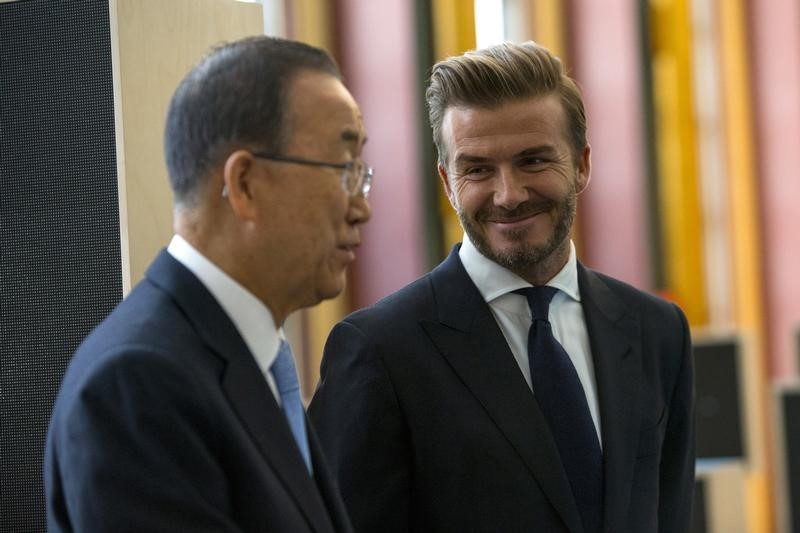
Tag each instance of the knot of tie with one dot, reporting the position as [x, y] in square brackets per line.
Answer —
[284, 371]
[539, 299]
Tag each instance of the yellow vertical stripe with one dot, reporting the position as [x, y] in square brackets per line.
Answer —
[741, 166]
[317, 324]
[453, 27]
[677, 158]
[548, 16]
[453, 34]
[311, 23]
[748, 303]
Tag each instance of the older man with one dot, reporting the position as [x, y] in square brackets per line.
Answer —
[181, 411]
[511, 389]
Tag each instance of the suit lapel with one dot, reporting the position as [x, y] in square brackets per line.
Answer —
[243, 384]
[614, 336]
[469, 338]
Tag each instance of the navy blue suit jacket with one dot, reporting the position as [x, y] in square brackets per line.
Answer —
[164, 422]
[429, 424]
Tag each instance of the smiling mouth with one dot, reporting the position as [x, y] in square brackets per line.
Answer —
[509, 217]
[515, 222]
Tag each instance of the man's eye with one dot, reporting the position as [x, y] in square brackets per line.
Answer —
[532, 162]
[474, 173]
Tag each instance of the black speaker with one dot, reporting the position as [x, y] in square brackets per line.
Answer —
[720, 396]
[60, 270]
[788, 399]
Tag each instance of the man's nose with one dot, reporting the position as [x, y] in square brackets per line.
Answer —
[509, 191]
[359, 210]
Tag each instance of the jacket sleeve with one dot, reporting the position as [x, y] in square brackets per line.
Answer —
[360, 423]
[678, 460]
[132, 448]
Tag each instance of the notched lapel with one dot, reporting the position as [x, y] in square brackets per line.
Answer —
[615, 339]
[469, 338]
[243, 384]
[253, 402]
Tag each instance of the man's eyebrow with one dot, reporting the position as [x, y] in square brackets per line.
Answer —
[469, 158]
[539, 150]
[353, 136]
[544, 149]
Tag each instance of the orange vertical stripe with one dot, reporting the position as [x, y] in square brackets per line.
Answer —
[677, 158]
[745, 229]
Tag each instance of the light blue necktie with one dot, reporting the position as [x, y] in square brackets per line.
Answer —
[285, 374]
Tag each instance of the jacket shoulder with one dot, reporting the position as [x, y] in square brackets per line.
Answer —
[633, 298]
[415, 300]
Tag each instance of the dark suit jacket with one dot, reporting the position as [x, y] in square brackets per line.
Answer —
[164, 422]
[430, 426]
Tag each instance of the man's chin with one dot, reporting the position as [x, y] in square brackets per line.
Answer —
[517, 256]
[334, 287]
[517, 249]
[513, 241]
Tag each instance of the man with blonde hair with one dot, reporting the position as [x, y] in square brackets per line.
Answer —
[512, 388]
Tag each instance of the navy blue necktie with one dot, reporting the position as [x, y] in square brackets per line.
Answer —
[285, 374]
[561, 397]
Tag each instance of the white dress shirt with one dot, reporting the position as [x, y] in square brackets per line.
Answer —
[511, 311]
[251, 317]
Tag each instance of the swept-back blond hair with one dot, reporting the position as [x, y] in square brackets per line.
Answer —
[492, 76]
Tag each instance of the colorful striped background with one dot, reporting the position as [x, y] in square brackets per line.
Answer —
[694, 122]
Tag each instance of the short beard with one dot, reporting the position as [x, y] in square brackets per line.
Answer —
[524, 259]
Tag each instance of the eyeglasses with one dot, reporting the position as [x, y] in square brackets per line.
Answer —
[356, 176]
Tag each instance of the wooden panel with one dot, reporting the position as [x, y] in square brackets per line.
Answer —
[725, 499]
[154, 44]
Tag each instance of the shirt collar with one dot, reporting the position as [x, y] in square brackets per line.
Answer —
[493, 280]
[251, 317]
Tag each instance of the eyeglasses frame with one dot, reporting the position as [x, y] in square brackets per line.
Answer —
[365, 178]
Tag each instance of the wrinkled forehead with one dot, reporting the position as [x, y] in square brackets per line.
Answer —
[541, 119]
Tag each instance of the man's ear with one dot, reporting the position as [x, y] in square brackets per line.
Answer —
[238, 174]
[584, 169]
[448, 188]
